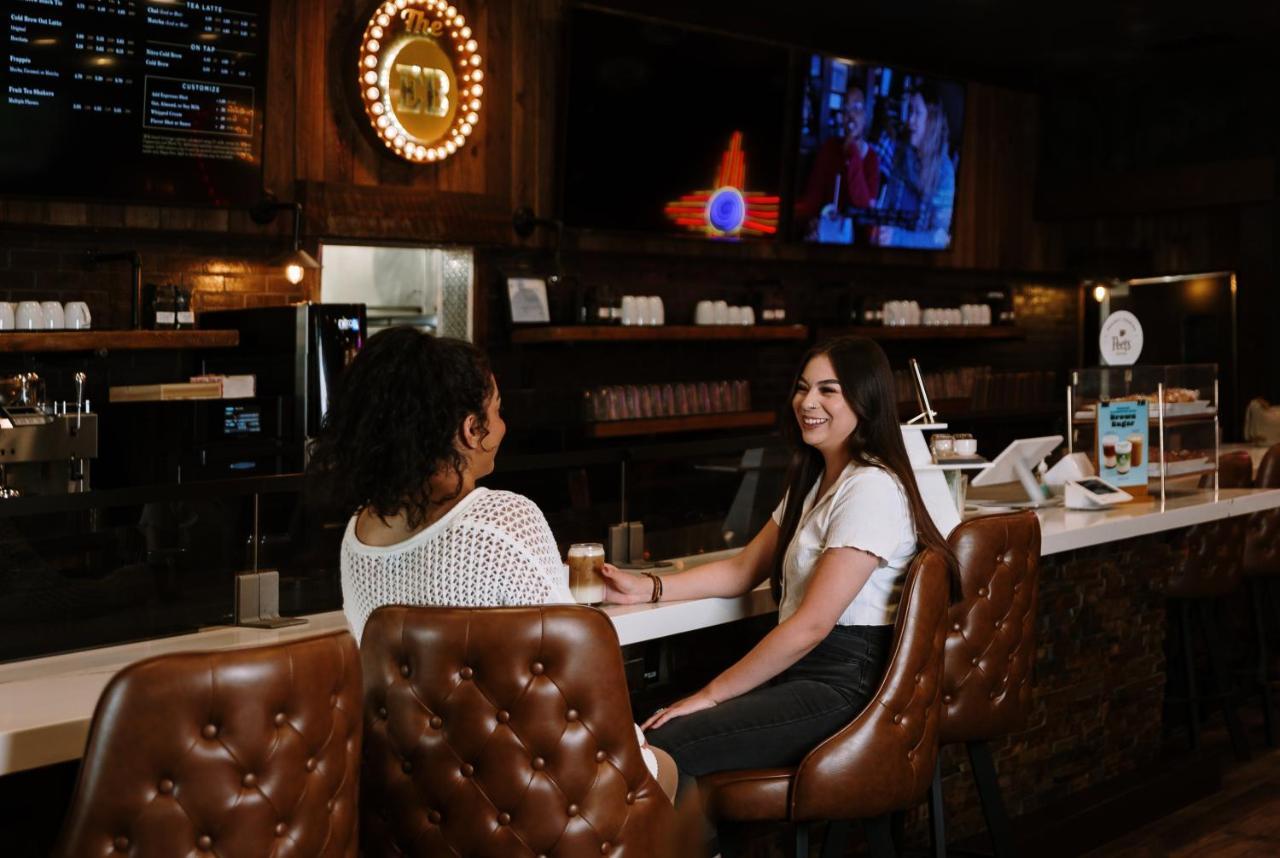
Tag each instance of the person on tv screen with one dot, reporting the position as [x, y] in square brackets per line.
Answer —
[845, 174]
[921, 186]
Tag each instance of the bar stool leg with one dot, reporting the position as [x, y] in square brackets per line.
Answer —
[984, 772]
[802, 840]
[879, 837]
[937, 814]
[1222, 681]
[836, 841]
[1189, 673]
[1261, 598]
[731, 840]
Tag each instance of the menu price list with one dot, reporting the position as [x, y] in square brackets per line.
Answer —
[133, 99]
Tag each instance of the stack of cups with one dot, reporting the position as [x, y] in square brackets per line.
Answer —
[44, 316]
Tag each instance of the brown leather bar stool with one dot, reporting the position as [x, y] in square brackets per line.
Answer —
[880, 762]
[1262, 572]
[237, 753]
[503, 731]
[1209, 570]
[991, 650]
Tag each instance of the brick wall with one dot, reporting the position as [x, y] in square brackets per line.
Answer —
[51, 266]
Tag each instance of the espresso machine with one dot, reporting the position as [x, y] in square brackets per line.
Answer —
[45, 447]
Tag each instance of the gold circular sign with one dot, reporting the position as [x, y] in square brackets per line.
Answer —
[420, 78]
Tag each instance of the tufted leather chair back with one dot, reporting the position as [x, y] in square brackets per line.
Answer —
[883, 760]
[503, 732]
[250, 753]
[1235, 470]
[991, 630]
[1212, 560]
[1268, 476]
[1262, 538]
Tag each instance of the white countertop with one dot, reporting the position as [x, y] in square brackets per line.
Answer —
[46, 704]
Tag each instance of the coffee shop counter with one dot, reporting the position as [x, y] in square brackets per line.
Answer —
[46, 703]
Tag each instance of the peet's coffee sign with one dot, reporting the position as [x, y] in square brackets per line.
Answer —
[1120, 340]
[420, 78]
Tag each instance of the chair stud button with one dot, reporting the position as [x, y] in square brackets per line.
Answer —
[571, 715]
[279, 719]
[406, 767]
[434, 817]
[466, 673]
[468, 770]
[605, 847]
[503, 716]
[897, 719]
[538, 764]
[946, 698]
[205, 843]
[504, 819]
[974, 661]
[281, 828]
[631, 798]
[537, 668]
[121, 844]
[311, 764]
[209, 732]
[404, 670]
[436, 722]
[573, 810]
[249, 780]
[166, 786]
[382, 712]
[955, 627]
[601, 756]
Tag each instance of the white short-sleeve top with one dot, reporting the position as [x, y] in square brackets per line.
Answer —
[866, 509]
[493, 548]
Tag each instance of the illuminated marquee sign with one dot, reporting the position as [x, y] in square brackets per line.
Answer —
[420, 78]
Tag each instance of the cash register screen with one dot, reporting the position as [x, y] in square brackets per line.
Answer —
[1098, 487]
[241, 420]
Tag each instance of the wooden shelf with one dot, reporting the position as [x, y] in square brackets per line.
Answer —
[929, 332]
[656, 333]
[88, 341]
[692, 423]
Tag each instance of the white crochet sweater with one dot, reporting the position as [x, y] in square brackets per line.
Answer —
[493, 548]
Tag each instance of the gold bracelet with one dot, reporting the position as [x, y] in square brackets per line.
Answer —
[657, 588]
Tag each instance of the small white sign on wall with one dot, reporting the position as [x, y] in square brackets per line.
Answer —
[1120, 341]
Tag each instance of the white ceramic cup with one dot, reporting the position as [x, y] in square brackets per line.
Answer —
[704, 313]
[652, 310]
[30, 316]
[76, 316]
[721, 312]
[659, 310]
[53, 316]
[748, 315]
[631, 314]
[966, 446]
[7, 320]
[735, 316]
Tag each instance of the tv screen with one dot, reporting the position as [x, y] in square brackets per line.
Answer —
[879, 154]
[147, 100]
[671, 130]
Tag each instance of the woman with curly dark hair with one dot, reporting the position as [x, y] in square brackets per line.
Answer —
[415, 422]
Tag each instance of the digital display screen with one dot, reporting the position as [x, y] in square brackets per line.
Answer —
[241, 420]
[879, 156]
[672, 130]
[1098, 487]
[156, 100]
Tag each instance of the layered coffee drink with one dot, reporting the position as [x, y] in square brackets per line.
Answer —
[586, 578]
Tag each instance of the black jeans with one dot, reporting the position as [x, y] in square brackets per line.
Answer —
[778, 723]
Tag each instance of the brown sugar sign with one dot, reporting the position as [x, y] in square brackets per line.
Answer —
[420, 78]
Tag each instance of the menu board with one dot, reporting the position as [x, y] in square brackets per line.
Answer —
[148, 100]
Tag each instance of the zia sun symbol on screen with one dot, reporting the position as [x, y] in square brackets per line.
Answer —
[726, 210]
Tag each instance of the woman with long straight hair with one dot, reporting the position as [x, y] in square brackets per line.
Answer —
[836, 549]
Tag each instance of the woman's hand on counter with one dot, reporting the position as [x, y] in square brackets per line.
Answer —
[693, 703]
[626, 588]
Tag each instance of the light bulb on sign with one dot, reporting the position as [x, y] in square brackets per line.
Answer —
[293, 273]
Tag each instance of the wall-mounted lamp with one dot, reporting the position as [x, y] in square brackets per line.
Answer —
[1099, 293]
[134, 258]
[297, 261]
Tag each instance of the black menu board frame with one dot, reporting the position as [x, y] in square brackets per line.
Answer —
[134, 101]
